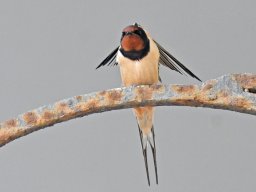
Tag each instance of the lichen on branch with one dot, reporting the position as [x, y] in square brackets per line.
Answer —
[235, 92]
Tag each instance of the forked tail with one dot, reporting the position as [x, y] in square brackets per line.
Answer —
[145, 139]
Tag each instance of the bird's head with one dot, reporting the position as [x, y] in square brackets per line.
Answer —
[134, 40]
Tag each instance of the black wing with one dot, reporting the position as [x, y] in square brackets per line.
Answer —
[110, 59]
[171, 62]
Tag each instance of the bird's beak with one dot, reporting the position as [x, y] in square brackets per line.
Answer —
[128, 33]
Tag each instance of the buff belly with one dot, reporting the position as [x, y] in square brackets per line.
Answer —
[141, 72]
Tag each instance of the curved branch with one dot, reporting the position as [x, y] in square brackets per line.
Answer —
[236, 92]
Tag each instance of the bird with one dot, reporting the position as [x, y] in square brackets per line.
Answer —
[139, 56]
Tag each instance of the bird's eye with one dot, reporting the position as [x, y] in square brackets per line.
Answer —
[138, 32]
[123, 34]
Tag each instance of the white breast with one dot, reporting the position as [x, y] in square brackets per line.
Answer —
[144, 71]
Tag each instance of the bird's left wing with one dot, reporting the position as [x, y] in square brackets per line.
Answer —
[171, 62]
[110, 59]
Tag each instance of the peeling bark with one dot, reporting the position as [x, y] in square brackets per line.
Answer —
[235, 92]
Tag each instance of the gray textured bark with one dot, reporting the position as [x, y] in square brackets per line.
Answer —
[235, 92]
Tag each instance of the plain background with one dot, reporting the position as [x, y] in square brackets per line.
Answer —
[49, 51]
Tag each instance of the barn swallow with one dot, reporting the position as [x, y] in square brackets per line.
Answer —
[139, 56]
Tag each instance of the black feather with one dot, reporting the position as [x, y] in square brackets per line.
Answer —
[109, 59]
[144, 151]
[171, 62]
[153, 147]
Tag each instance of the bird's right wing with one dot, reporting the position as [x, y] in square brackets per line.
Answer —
[110, 59]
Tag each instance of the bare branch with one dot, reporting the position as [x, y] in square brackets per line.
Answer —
[235, 92]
